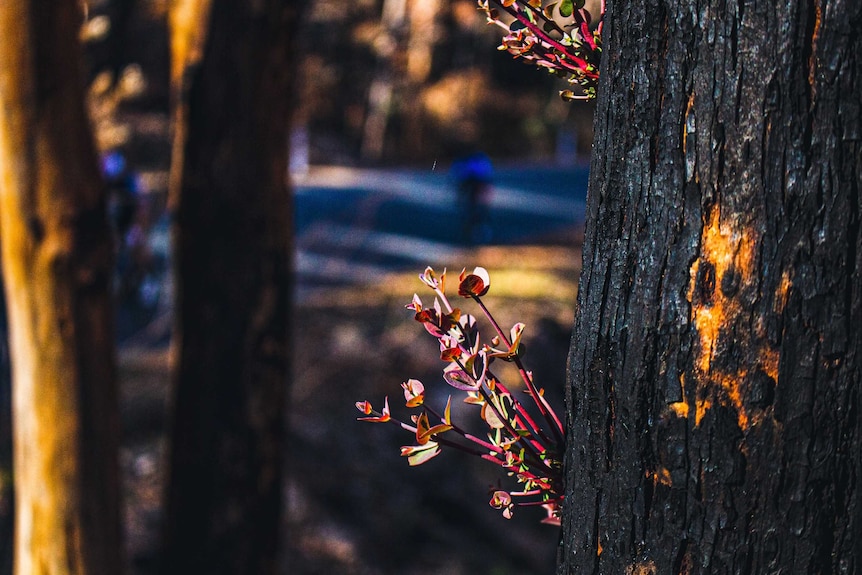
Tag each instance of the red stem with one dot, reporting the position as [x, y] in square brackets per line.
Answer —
[581, 65]
[518, 15]
[522, 412]
[464, 434]
[545, 409]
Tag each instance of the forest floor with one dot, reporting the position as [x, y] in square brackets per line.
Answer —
[353, 505]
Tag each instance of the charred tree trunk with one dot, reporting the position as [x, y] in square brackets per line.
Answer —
[715, 365]
[57, 268]
[233, 270]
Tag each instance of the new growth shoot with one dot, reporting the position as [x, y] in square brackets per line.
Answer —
[526, 446]
[560, 36]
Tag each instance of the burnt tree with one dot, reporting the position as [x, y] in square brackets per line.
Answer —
[715, 364]
[232, 246]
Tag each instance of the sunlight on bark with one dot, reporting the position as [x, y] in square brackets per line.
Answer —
[724, 270]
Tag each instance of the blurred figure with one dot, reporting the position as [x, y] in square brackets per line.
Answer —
[123, 192]
[138, 272]
[473, 174]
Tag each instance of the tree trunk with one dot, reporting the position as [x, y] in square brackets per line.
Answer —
[233, 221]
[715, 364]
[57, 268]
[7, 493]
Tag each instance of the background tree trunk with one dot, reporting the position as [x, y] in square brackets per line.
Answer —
[7, 493]
[233, 268]
[715, 365]
[57, 267]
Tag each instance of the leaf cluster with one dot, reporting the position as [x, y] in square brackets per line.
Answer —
[516, 441]
[560, 36]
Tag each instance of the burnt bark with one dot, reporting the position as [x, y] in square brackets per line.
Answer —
[232, 250]
[715, 365]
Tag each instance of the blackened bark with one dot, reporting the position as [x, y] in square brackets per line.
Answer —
[233, 253]
[715, 365]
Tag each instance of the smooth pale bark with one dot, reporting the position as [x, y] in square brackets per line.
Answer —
[7, 507]
[715, 365]
[233, 247]
[57, 267]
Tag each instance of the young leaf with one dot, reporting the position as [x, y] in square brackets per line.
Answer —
[459, 379]
[515, 334]
[474, 284]
[424, 431]
[365, 407]
[491, 418]
[419, 454]
[414, 392]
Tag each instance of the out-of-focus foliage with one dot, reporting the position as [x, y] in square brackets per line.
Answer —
[409, 80]
[383, 81]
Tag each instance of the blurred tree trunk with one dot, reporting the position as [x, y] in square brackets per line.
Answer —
[393, 19]
[57, 268]
[715, 365]
[7, 493]
[233, 69]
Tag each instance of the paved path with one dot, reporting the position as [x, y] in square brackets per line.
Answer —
[353, 226]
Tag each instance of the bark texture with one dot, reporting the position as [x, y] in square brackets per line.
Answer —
[57, 268]
[715, 365]
[233, 221]
[7, 494]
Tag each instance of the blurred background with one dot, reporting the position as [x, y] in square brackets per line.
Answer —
[414, 142]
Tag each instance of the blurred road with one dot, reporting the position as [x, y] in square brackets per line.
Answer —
[353, 226]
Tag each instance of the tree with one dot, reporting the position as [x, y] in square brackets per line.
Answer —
[715, 363]
[7, 495]
[232, 248]
[57, 269]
